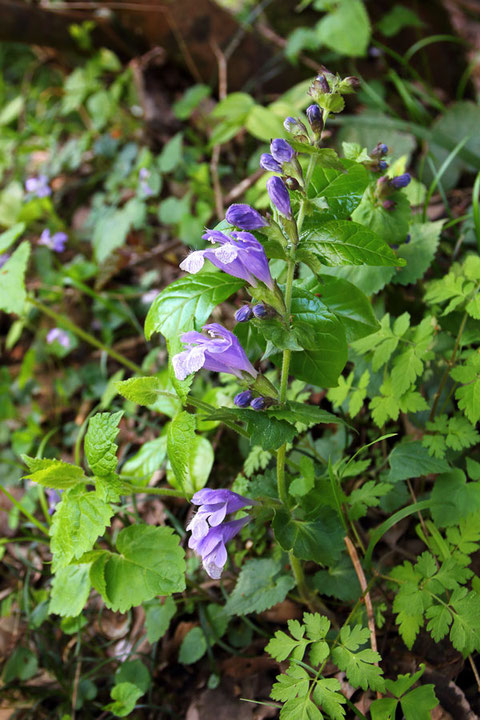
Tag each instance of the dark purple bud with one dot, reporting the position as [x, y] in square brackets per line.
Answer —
[379, 150]
[315, 118]
[388, 204]
[281, 150]
[407, 239]
[243, 314]
[245, 217]
[268, 162]
[278, 193]
[382, 165]
[400, 181]
[352, 82]
[258, 403]
[243, 399]
[260, 311]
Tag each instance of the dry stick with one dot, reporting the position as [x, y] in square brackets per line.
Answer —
[239, 189]
[366, 595]
[75, 687]
[475, 671]
[280, 42]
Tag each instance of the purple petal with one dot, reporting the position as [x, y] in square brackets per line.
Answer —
[282, 152]
[279, 195]
[245, 217]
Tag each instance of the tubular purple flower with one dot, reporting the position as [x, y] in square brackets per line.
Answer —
[243, 314]
[260, 311]
[209, 533]
[281, 150]
[219, 351]
[38, 186]
[240, 254]
[258, 403]
[268, 162]
[55, 242]
[245, 217]
[243, 399]
[279, 195]
[60, 336]
[400, 181]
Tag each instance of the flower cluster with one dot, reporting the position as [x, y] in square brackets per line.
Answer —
[209, 531]
[62, 337]
[38, 186]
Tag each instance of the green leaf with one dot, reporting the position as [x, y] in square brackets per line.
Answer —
[319, 539]
[141, 390]
[171, 154]
[8, 237]
[358, 665]
[262, 427]
[157, 617]
[326, 157]
[147, 460]
[21, 665]
[150, 562]
[411, 459]
[187, 303]
[12, 110]
[418, 703]
[125, 695]
[263, 124]
[301, 708]
[341, 242]
[347, 303]
[191, 456]
[302, 485]
[70, 590]
[419, 252]
[384, 709]
[260, 585]
[396, 19]
[459, 121]
[100, 446]
[12, 280]
[468, 395]
[323, 338]
[292, 683]
[465, 633]
[453, 498]
[136, 672]
[335, 29]
[392, 224]
[79, 519]
[53, 473]
[310, 415]
[339, 581]
[193, 647]
[328, 696]
[341, 189]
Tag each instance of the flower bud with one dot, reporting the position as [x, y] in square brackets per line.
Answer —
[315, 118]
[281, 150]
[260, 311]
[321, 84]
[245, 217]
[279, 196]
[379, 150]
[268, 162]
[388, 204]
[296, 127]
[349, 85]
[292, 183]
[243, 314]
[400, 181]
[258, 403]
[243, 399]
[382, 165]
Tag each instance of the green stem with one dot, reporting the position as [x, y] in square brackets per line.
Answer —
[157, 491]
[69, 325]
[25, 512]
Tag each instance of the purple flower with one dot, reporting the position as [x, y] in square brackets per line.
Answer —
[260, 311]
[379, 150]
[258, 403]
[315, 118]
[281, 150]
[144, 174]
[243, 314]
[53, 498]
[400, 181]
[209, 533]
[268, 162]
[3, 259]
[243, 399]
[279, 196]
[219, 351]
[55, 242]
[60, 336]
[245, 217]
[240, 254]
[382, 165]
[38, 186]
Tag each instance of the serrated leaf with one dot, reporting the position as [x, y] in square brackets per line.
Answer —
[393, 223]
[328, 696]
[358, 665]
[335, 28]
[418, 703]
[53, 473]
[70, 590]
[342, 189]
[141, 390]
[191, 456]
[12, 280]
[341, 242]
[147, 460]
[260, 585]
[301, 708]
[419, 252]
[411, 459]
[9, 236]
[187, 303]
[290, 684]
[318, 539]
[100, 446]
[264, 429]
[149, 562]
[79, 519]
[125, 695]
